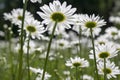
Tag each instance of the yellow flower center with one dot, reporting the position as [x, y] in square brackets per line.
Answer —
[20, 18]
[57, 16]
[104, 54]
[90, 24]
[31, 29]
[107, 70]
[76, 64]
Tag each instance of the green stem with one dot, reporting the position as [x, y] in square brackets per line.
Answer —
[48, 50]
[92, 39]
[28, 48]
[11, 54]
[80, 37]
[21, 44]
[105, 78]
[76, 73]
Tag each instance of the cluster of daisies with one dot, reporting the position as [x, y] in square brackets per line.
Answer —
[64, 17]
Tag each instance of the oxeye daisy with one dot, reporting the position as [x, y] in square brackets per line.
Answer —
[32, 47]
[77, 62]
[106, 51]
[16, 16]
[112, 33]
[114, 19]
[57, 12]
[34, 28]
[40, 72]
[91, 22]
[62, 44]
[111, 70]
[34, 1]
[87, 77]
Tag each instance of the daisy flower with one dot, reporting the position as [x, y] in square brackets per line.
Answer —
[32, 47]
[40, 72]
[106, 51]
[34, 1]
[111, 69]
[57, 12]
[62, 44]
[114, 19]
[16, 16]
[92, 21]
[34, 28]
[77, 22]
[77, 62]
[112, 33]
[101, 40]
[87, 77]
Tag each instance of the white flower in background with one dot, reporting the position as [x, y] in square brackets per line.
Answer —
[57, 12]
[77, 24]
[87, 77]
[106, 51]
[2, 34]
[75, 43]
[7, 16]
[40, 72]
[92, 21]
[34, 1]
[16, 16]
[51, 56]
[112, 33]
[32, 47]
[66, 73]
[34, 28]
[102, 39]
[62, 44]
[111, 69]
[78, 18]
[115, 19]
[77, 62]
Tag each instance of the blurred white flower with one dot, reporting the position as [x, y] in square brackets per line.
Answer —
[106, 51]
[34, 28]
[32, 47]
[40, 72]
[77, 62]
[115, 19]
[34, 1]
[62, 44]
[92, 21]
[112, 33]
[111, 69]
[87, 77]
[16, 16]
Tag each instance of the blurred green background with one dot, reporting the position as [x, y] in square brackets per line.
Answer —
[103, 8]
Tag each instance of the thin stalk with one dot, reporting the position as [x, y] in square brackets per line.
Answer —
[76, 73]
[11, 54]
[48, 50]
[80, 37]
[105, 78]
[28, 48]
[92, 39]
[21, 43]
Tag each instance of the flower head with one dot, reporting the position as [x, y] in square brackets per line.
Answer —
[57, 12]
[77, 62]
[40, 72]
[16, 16]
[111, 70]
[112, 33]
[34, 28]
[93, 22]
[104, 51]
